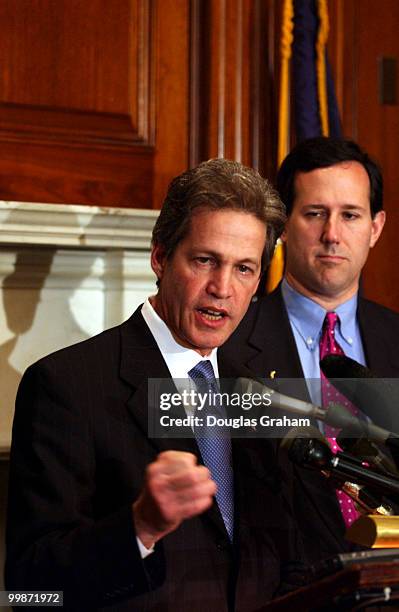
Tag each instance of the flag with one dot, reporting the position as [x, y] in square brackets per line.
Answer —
[315, 105]
[304, 35]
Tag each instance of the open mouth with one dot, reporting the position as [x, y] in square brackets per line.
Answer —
[212, 315]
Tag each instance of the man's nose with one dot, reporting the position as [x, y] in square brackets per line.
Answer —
[331, 231]
[220, 283]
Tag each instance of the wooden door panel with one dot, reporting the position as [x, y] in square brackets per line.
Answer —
[82, 100]
[75, 71]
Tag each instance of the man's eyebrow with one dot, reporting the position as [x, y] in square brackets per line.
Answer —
[323, 206]
[200, 252]
[220, 256]
[251, 260]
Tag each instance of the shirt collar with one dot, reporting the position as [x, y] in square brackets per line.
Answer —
[178, 358]
[307, 316]
[347, 316]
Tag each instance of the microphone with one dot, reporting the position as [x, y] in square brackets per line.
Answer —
[335, 415]
[367, 450]
[307, 448]
[372, 395]
[341, 366]
[279, 400]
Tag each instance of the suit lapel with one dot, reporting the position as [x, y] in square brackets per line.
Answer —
[141, 360]
[379, 331]
[378, 341]
[272, 341]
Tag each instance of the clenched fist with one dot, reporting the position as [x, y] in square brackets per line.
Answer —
[176, 488]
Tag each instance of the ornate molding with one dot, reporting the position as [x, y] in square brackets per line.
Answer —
[76, 226]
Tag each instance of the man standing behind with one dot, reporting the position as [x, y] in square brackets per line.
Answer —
[333, 194]
[114, 518]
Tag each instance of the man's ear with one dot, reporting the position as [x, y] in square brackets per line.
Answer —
[256, 286]
[283, 236]
[377, 225]
[158, 259]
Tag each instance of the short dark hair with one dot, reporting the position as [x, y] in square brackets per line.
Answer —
[323, 152]
[218, 184]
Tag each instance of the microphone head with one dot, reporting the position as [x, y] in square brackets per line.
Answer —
[340, 366]
[307, 447]
[301, 432]
[377, 398]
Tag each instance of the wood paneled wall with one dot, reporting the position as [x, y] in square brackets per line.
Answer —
[104, 101]
[233, 94]
[363, 32]
[94, 99]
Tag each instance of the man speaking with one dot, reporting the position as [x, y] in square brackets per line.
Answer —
[120, 521]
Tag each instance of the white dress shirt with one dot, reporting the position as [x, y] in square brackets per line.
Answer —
[179, 361]
[178, 358]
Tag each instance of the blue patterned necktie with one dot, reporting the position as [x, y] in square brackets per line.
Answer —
[215, 450]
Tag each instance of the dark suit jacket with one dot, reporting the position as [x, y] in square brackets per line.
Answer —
[79, 453]
[265, 342]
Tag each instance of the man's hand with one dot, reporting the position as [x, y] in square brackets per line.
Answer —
[176, 488]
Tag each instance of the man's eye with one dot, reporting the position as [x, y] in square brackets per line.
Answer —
[203, 260]
[350, 216]
[244, 269]
[314, 213]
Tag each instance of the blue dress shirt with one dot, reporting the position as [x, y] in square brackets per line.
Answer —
[306, 319]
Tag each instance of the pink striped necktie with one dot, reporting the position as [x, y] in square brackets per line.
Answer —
[329, 346]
